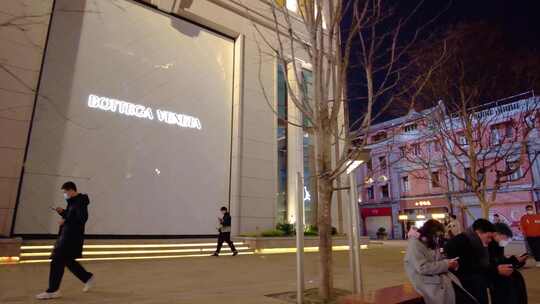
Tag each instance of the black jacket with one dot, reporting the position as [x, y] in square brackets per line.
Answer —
[226, 220]
[71, 235]
[473, 274]
[506, 290]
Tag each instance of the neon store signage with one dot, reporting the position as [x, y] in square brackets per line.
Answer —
[140, 111]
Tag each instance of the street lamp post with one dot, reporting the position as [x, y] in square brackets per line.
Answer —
[299, 240]
[355, 221]
[354, 240]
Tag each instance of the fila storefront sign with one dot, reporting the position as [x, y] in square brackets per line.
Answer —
[140, 111]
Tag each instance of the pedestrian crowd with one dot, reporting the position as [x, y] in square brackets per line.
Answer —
[447, 264]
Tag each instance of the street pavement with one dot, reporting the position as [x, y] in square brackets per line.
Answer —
[224, 280]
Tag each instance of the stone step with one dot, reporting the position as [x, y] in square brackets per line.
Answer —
[39, 251]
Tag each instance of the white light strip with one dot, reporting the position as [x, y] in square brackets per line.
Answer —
[36, 247]
[133, 258]
[86, 253]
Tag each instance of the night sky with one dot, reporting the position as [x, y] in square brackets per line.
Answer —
[518, 21]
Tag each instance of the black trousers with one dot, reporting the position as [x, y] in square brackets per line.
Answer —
[534, 244]
[224, 237]
[57, 272]
[509, 290]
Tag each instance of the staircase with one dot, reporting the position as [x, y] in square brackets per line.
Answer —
[39, 251]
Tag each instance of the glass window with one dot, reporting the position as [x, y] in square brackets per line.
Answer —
[410, 128]
[282, 103]
[378, 137]
[310, 180]
[435, 180]
[514, 168]
[370, 193]
[417, 149]
[405, 186]
[384, 191]
[463, 139]
[402, 151]
[382, 162]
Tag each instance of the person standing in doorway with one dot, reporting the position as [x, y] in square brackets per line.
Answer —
[530, 226]
[69, 243]
[225, 232]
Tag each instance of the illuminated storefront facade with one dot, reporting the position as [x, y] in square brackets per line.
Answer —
[154, 108]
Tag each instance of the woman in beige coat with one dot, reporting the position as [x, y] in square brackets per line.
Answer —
[427, 270]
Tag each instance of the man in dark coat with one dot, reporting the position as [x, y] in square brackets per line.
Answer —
[508, 285]
[225, 232]
[70, 241]
[471, 247]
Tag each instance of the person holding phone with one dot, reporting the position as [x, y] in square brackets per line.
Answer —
[508, 285]
[471, 247]
[69, 243]
[428, 271]
[225, 232]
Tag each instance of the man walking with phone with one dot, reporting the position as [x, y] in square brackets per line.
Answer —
[225, 232]
[69, 244]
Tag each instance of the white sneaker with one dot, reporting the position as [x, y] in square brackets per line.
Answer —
[48, 295]
[537, 264]
[89, 284]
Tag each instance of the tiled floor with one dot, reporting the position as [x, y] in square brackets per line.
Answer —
[238, 280]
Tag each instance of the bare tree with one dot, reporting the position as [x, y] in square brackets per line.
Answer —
[315, 32]
[482, 146]
[478, 150]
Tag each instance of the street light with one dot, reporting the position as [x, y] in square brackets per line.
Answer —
[355, 221]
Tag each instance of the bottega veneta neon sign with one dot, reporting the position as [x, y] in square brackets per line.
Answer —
[140, 111]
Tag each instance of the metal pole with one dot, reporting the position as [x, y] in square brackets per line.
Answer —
[355, 223]
[300, 240]
[355, 290]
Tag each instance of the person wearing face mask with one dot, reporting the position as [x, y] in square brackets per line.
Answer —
[507, 283]
[225, 232]
[429, 272]
[69, 243]
[471, 247]
[530, 226]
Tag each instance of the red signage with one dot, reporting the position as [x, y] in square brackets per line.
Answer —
[382, 211]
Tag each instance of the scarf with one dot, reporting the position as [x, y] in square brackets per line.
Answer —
[481, 251]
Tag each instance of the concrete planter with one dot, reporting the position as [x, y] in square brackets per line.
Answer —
[257, 243]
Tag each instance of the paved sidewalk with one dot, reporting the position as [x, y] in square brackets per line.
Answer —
[224, 280]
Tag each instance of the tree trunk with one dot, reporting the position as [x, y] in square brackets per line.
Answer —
[325, 238]
[485, 209]
[324, 212]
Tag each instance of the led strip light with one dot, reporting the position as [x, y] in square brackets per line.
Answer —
[113, 246]
[119, 252]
